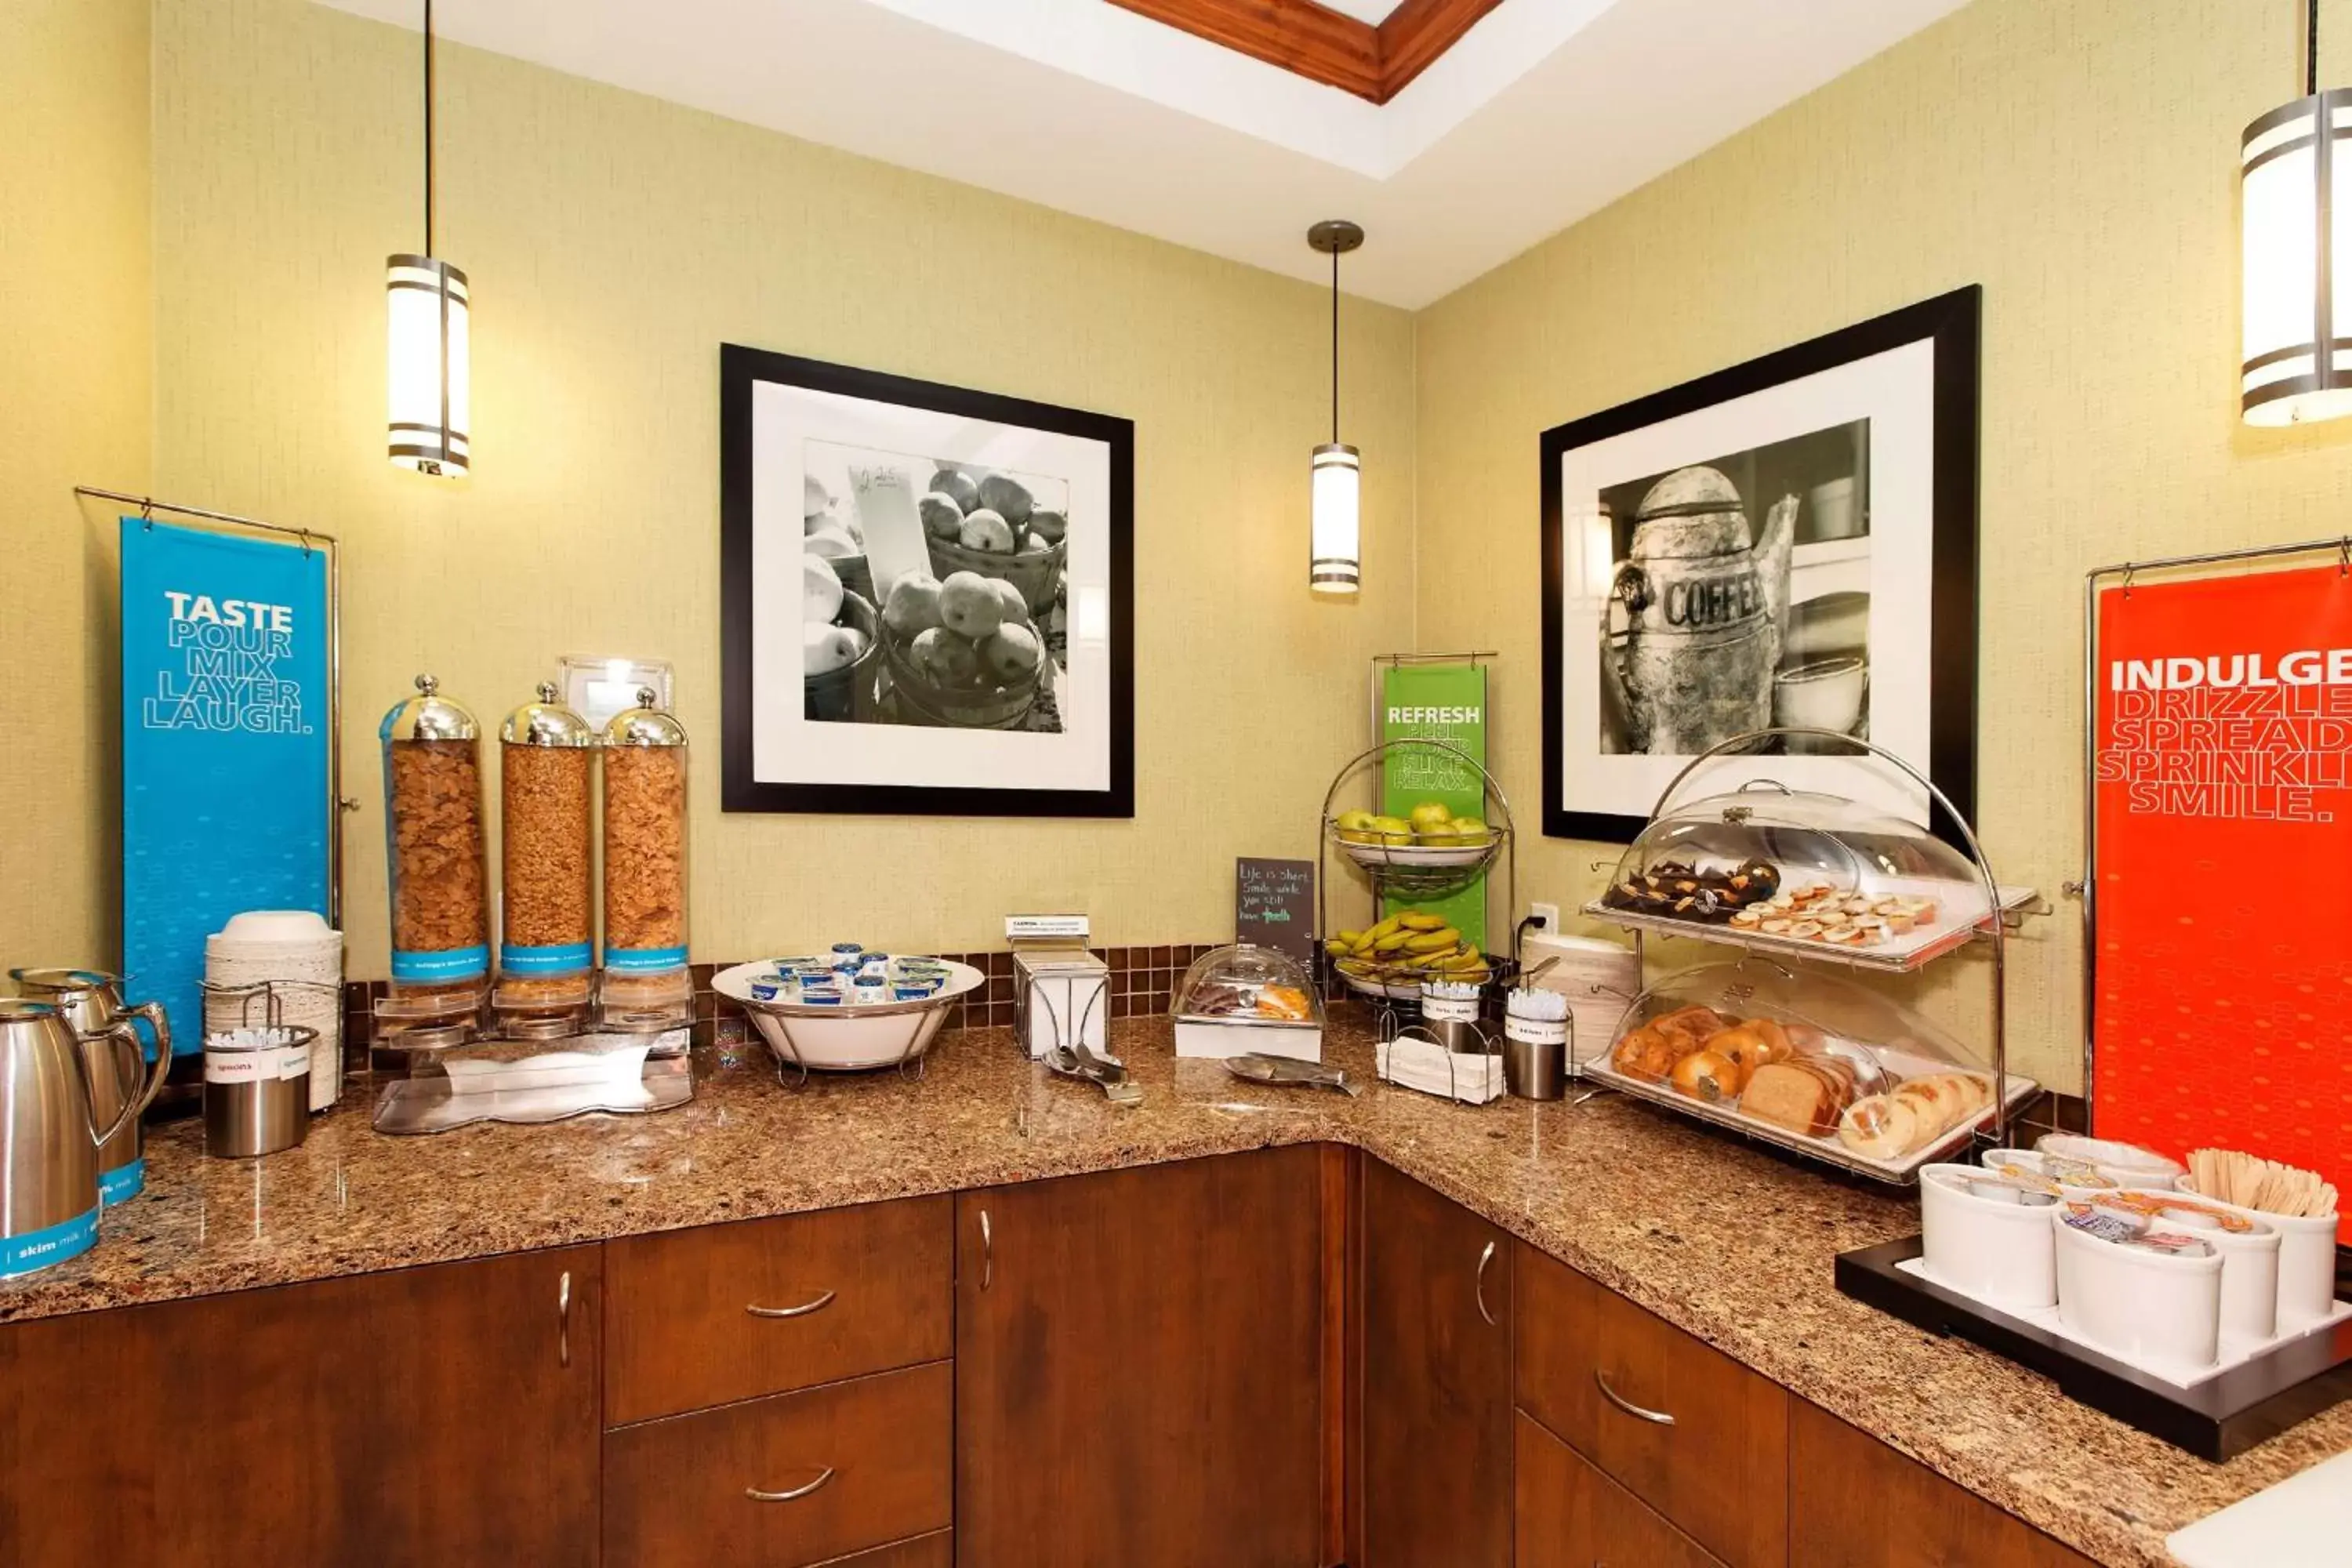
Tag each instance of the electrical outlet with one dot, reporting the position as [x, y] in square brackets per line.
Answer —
[1546, 916]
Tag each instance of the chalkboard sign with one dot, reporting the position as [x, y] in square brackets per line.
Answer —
[1273, 905]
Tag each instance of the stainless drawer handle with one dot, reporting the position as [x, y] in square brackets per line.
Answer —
[756, 1495]
[1478, 1287]
[1659, 1417]
[803, 1311]
[987, 1252]
[563, 1320]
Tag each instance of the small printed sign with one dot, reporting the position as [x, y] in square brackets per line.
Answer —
[1032, 928]
[1273, 905]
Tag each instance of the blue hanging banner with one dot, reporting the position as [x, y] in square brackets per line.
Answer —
[224, 736]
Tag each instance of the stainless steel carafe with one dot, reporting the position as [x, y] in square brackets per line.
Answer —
[91, 1001]
[51, 1135]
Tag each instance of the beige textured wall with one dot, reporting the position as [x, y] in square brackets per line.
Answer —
[76, 347]
[614, 242]
[2078, 160]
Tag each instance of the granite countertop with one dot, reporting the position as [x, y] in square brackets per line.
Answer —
[1721, 1239]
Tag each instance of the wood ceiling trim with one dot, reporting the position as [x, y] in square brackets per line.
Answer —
[1417, 32]
[1299, 36]
[1320, 44]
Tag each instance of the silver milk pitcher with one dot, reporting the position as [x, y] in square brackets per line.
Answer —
[49, 1136]
[91, 1001]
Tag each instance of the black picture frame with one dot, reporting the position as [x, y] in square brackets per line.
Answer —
[1954, 322]
[741, 369]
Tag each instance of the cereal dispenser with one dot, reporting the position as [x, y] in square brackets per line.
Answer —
[436, 871]
[645, 984]
[547, 908]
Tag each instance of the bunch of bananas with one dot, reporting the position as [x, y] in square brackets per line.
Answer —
[1405, 947]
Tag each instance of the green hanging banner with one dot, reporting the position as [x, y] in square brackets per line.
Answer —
[1437, 702]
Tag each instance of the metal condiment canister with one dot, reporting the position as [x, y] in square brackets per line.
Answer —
[256, 1090]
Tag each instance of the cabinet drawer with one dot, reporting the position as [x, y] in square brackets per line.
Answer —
[871, 1461]
[1570, 1515]
[698, 1318]
[1680, 1425]
[1914, 1517]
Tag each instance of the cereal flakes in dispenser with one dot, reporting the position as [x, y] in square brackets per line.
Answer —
[436, 866]
[546, 951]
[645, 979]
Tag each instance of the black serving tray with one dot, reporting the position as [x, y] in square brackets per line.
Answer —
[2218, 1419]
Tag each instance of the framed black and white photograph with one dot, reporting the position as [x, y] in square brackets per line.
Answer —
[926, 600]
[1789, 544]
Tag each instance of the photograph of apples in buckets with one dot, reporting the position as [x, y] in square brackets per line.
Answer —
[932, 591]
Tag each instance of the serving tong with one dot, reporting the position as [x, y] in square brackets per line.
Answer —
[1288, 1072]
[1074, 1060]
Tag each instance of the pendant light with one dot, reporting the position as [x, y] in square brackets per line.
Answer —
[1335, 470]
[426, 348]
[2296, 222]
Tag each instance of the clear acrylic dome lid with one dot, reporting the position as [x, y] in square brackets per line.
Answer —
[1774, 852]
[1806, 1057]
[1247, 982]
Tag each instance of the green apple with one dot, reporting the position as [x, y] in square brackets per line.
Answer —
[1354, 826]
[1391, 830]
[1430, 818]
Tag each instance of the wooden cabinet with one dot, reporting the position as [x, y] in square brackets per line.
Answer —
[1853, 1503]
[1680, 1425]
[784, 1481]
[1138, 1371]
[1570, 1515]
[697, 1318]
[1437, 1380]
[423, 1417]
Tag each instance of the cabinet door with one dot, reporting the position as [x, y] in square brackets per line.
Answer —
[1853, 1503]
[1677, 1423]
[1572, 1516]
[422, 1417]
[1437, 1380]
[1138, 1371]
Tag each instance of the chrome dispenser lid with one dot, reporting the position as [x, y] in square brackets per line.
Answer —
[546, 722]
[65, 983]
[644, 725]
[429, 716]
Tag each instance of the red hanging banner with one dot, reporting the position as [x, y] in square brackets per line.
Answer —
[2223, 1009]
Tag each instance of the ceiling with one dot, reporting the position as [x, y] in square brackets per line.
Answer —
[1545, 111]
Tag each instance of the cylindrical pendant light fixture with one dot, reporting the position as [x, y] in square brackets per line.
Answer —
[428, 362]
[1335, 469]
[2296, 224]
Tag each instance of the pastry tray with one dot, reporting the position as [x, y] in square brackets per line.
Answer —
[1899, 956]
[2218, 1416]
[1903, 1173]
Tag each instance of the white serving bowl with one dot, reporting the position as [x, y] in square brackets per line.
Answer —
[2143, 1306]
[850, 1037]
[1997, 1250]
[2306, 1260]
[2128, 1163]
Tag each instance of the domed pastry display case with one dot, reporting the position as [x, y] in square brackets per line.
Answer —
[1247, 998]
[1807, 878]
[1809, 1061]
[1423, 859]
[1810, 875]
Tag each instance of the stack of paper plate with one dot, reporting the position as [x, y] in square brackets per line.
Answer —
[282, 966]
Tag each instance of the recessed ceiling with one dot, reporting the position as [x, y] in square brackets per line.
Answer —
[1543, 111]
